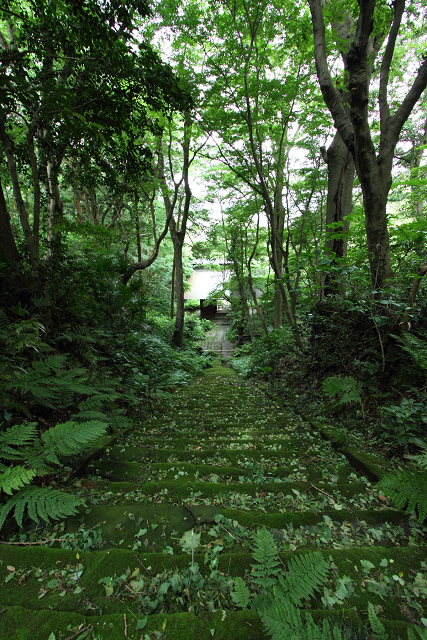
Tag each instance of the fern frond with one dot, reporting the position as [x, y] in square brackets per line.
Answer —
[41, 503]
[305, 576]
[379, 633]
[97, 400]
[15, 478]
[67, 439]
[18, 434]
[90, 415]
[415, 346]
[264, 552]
[407, 488]
[283, 621]
[347, 388]
[241, 595]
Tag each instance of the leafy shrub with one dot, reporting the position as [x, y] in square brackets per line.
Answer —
[263, 353]
[404, 422]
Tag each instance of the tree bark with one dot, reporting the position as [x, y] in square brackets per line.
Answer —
[339, 204]
[32, 245]
[8, 250]
[55, 209]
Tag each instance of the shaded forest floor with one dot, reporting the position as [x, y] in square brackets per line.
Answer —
[172, 507]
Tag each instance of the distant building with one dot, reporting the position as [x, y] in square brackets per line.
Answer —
[203, 281]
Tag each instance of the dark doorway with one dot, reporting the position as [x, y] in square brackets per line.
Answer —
[208, 311]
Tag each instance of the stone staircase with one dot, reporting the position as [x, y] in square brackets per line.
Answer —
[171, 510]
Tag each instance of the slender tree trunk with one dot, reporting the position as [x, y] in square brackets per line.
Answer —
[32, 244]
[8, 250]
[138, 231]
[78, 206]
[55, 208]
[178, 330]
[256, 305]
[373, 170]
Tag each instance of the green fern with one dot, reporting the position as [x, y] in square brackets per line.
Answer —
[15, 478]
[41, 503]
[378, 631]
[305, 575]
[405, 488]
[265, 573]
[21, 443]
[241, 595]
[348, 389]
[416, 347]
[284, 622]
[67, 439]
[16, 435]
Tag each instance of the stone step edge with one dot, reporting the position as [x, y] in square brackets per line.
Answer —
[372, 465]
[244, 625]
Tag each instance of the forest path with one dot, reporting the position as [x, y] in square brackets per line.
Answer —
[172, 508]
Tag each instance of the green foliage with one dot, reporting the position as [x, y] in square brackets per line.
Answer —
[346, 388]
[52, 384]
[406, 488]
[67, 439]
[404, 422]
[265, 574]
[241, 594]
[262, 354]
[15, 478]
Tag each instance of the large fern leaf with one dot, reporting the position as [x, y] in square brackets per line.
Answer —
[40, 503]
[405, 488]
[66, 439]
[305, 576]
[15, 478]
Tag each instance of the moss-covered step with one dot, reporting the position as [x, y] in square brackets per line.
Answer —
[239, 625]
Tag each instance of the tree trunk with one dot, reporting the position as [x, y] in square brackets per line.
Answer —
[178, 331]
[8, 250]
[55, 209]
[31, 242]
[256, 305]
[339, 204]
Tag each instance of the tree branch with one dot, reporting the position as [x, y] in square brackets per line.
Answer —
[330, 94]
[399, 6]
